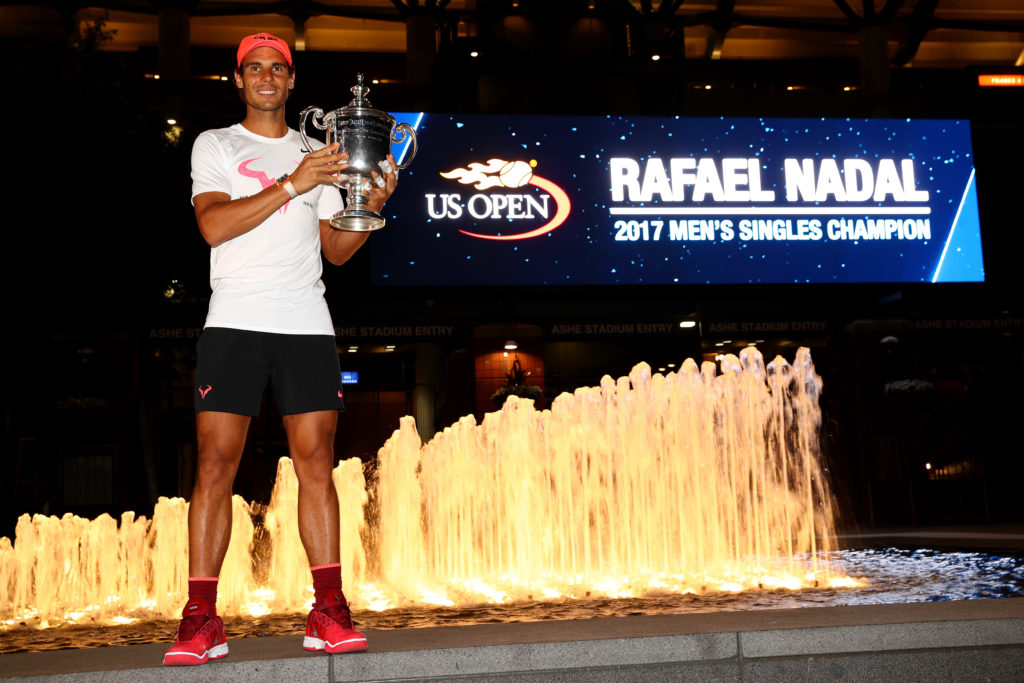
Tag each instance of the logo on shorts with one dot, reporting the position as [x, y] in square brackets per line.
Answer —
[204, 390]
[340, 394]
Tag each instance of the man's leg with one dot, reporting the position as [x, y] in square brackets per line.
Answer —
[221, 438]
[311, 443]
[200, 636]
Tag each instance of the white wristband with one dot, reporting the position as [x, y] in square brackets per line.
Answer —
[290, 189]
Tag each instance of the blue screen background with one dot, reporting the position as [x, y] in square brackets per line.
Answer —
[574, 152]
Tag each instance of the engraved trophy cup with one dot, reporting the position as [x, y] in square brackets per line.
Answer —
[366, 134]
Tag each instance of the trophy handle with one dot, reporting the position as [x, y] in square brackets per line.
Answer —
[317, 113]
[406, 130]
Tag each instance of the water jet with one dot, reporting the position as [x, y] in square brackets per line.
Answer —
[701, 480]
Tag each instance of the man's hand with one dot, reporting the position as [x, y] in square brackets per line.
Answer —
[377, 194]
[319, 168]
[339, 245]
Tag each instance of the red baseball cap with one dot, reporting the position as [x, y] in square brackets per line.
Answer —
[250, 43]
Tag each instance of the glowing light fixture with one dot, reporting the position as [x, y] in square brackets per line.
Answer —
[655, 57]
[687, 324]
[511, 345]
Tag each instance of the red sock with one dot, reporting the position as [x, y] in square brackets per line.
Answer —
[326, 578]
[204, 587]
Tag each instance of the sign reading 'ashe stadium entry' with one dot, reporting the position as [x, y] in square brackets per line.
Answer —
[541, 200]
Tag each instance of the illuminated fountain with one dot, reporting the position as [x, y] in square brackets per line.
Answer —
[696, 481]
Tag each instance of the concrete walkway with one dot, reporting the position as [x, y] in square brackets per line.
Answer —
[940, 641]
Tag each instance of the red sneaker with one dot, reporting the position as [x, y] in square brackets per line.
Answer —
[329, 627]
[200, 637]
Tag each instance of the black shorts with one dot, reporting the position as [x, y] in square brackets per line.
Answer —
[235, 366]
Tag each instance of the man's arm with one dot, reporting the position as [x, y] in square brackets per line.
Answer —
[339, 245]
[220, 218]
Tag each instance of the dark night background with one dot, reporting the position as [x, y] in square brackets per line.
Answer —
[104, 269]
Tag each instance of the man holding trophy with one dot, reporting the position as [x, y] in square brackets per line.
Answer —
[263, 202]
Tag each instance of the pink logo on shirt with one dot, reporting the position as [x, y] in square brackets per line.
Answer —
[265, 180]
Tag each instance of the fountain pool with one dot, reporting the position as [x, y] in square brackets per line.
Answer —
[700, 490]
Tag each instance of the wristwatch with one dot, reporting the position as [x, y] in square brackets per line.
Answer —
[284, 182]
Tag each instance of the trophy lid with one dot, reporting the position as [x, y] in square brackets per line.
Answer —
[360, 91]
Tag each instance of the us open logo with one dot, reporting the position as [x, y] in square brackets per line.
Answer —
[488, 204]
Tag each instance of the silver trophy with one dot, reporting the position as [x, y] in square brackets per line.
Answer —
[366, 134]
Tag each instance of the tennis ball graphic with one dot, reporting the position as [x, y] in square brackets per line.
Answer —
[515, 174]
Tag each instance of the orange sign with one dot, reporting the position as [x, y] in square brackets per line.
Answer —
[1001, 80]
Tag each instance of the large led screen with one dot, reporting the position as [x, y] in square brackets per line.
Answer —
[548, 200]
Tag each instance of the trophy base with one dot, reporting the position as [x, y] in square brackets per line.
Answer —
[357, 220]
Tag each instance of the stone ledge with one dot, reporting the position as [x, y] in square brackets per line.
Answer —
[853, 643]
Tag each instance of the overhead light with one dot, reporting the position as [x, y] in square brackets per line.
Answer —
[474, 53]
[389, 347]
[171, 122]
[511, 345]
[686, 324]
[655, 57]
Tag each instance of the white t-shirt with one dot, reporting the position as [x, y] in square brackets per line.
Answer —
[267, 280]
